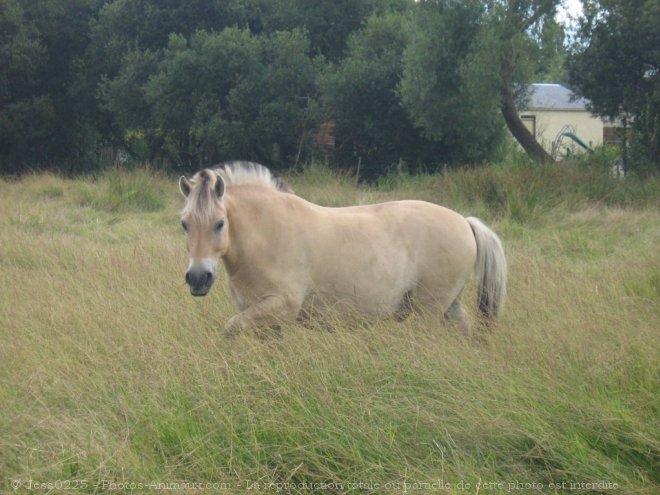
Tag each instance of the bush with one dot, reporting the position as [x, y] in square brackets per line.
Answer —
[522, 191]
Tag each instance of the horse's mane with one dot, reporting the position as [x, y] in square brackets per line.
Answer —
[239, 173]
[202, 196]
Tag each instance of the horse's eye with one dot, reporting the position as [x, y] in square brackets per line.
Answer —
[218, 226]
[184, 224]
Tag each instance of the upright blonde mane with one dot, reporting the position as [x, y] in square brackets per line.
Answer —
[203, 199]
[239, 173]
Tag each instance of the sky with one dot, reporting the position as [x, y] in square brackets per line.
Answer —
[569, 8]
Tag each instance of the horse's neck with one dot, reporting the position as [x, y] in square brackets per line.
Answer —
[248, 216]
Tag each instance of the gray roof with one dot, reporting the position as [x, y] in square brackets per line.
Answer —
[552, 96]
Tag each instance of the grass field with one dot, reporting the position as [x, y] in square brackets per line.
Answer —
[114, 380]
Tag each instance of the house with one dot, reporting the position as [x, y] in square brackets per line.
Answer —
[561, 123]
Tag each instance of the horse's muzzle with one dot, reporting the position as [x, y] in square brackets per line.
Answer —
[199, 281]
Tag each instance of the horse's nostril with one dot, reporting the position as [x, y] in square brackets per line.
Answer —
[200, 278]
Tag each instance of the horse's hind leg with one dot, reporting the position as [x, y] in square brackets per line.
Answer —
[456, 315]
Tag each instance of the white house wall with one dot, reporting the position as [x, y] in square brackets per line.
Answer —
[550, 122]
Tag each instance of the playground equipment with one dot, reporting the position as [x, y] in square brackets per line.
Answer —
[567, 132]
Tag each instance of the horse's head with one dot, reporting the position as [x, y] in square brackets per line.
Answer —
[204, 220]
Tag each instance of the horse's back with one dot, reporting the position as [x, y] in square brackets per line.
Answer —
[374, 255]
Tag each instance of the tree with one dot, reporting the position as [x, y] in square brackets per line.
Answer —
[435, 89]
[43, 119]
[21, 55]
[135, 25]
[616, 65]
[130, 35]
[329, 23]
[192, 82]
[360, 94]
[126, 38]
[511, 22]
[469, 60]
[217, 96]
[550, 51]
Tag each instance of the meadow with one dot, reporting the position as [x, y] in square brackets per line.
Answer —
[113, 379]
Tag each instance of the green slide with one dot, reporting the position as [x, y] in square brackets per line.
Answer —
[579, 141]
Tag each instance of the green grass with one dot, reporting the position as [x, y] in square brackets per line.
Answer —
[140, 190]
[112, 376]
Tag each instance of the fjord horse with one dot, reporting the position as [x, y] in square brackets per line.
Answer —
[283, 254]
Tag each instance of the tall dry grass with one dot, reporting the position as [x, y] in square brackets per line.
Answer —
[113, 378]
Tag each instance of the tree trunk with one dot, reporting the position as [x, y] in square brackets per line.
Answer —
[519, 131]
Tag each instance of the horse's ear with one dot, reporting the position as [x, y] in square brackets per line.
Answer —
[219, 187]
[184, 186]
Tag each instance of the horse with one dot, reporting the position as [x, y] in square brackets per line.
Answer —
[285, 256]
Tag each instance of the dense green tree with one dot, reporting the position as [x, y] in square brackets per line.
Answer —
[128, 25]
[64, 29]
[217, 96]
[126, 38]
[192, 82]
[134, 25]
[616, 65]
[328, 22]
[549, 51]
[435, 89]
[21, 102]
[469, 61]
[43, 117]
[514, 51]
[129, 36]
[360, 94]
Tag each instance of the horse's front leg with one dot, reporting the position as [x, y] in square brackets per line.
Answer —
[268, 311]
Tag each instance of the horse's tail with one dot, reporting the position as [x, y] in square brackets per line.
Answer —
[490, 268]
